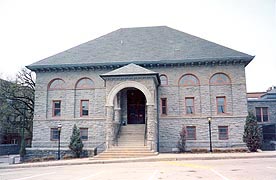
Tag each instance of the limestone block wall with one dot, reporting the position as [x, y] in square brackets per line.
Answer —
[205, 105]
[70, 109]
[169, 126]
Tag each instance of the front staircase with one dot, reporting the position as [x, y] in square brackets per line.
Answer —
[130, 144]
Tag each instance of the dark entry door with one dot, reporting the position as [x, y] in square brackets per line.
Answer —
[135, 107]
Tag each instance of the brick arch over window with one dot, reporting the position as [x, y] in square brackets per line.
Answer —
[56, 84]
[220, 79]
[127, 84]
[188, 80]
[84, 83]
[164, 80]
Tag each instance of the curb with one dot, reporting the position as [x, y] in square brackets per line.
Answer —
[154, 159]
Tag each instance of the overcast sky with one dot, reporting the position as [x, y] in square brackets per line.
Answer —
[31, 30]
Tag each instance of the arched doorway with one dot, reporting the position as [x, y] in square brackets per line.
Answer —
[136, 105]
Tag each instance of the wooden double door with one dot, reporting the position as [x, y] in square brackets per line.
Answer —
[136, 104]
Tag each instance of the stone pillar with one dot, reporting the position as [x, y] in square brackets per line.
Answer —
[151, 127]
[109, 126]
[117, 115]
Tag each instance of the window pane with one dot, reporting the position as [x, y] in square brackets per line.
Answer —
[265, 114]
[85, 83]
[164, 106]
[188, 80]
[191, 132]
[219, 79]
[164, 80]
[84, 133]
[57, 104]
[189, 105]
[56, 108]
[57, 84]
[54, 134]
[223, 132]
[190, 101]
[84, 107]
[57, 112]
[221, 105]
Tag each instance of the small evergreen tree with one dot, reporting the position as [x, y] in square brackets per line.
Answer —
[182, 140]
[76, 144]
[252, 133]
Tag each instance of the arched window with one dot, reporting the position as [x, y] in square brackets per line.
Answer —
[56, 84]
[219, 79]
[85, 83]
[164, 80]
[188, 80]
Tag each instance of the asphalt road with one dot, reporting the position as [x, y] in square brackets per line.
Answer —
[237, 169]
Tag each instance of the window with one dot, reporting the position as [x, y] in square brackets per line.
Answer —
[219, 79]
[164, 106]
[85, 83]
[84, 108]
[84, 133]
[164, 80]
[189, 101]
[188, 80]
[191, 132]
[221, 105]
[54, 134]
[56, 84]
[56, 108]
[223, 132]
[262, 114]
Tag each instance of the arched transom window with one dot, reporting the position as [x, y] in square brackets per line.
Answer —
[56, 84]
[188, 80]
[85, 83]
[164, 80]
[219, 79]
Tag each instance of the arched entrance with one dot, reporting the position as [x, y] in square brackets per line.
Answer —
[132, 103]
[136, 107]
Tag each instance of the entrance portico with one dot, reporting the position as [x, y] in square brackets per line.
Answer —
[131, 99]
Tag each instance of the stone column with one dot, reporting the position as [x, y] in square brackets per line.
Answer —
[117, 115]
[109, 126]
[151, 125]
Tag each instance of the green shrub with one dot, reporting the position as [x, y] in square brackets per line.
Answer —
[76, 144]
[181, 145]
[252, 133]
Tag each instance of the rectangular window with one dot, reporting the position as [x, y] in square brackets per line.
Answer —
[54, 134]
[56, 108]
[84, 108]
[84, 133]
[164, 106]
[262, 114]
[221, 105]
[223, 132]
[189, 101]
[191, 132]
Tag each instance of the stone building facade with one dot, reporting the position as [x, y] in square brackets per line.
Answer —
[157, 76]
[264, 108]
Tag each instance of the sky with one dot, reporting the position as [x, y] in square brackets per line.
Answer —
[32, 30]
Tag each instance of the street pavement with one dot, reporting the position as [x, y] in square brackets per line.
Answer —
[223, 169]
[159, 157]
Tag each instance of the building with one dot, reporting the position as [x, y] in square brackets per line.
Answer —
[263, 107]
[159, 77]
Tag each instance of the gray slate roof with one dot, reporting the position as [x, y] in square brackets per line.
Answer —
[159, 44]
[130, 69]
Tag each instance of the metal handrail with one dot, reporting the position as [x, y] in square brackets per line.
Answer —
[96, 148]
[118, 133]
[145, 135]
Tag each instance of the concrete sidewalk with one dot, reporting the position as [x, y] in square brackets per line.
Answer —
[159, 157]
